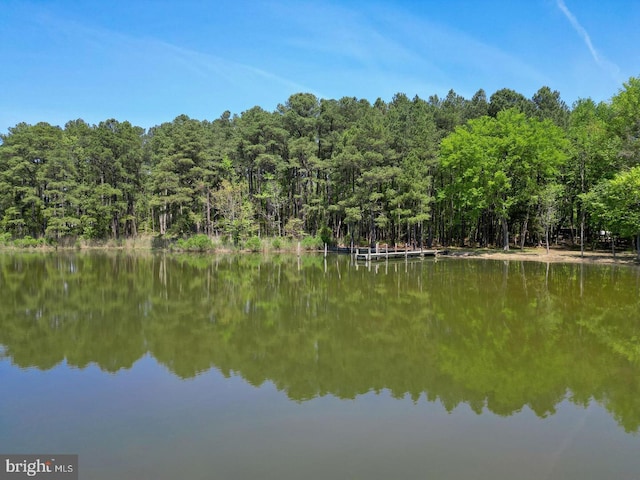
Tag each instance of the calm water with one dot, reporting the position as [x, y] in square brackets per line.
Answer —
[196, 367]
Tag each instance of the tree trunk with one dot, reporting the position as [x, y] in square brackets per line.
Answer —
[582, 232]
[208, 227]
[524, 232]
[505, 234]
[134, 227]
[114, 226]
[546, 235]
[163, 220]
[613, 245]
[582, 213]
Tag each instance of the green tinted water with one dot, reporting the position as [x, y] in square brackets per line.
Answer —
[167, 367]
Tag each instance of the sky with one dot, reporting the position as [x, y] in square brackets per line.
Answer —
[149, 61]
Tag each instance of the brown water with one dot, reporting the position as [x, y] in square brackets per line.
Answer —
[240, 367]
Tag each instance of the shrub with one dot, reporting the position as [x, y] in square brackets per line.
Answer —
[253, 243]
[326, 235]
[312, 243]
[28, 242]
[5, 238]
[276, 243]
[201, 242]
[294, 228]
[197, 243]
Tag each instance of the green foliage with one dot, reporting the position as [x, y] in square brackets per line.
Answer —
[236, 211]
[197, 243]
[549, 208]
[445, 169]
[253, 244]
[615, 204]
[548, 105]
[276, 243]
[625, 121]
[498, 166]
[28, 242]
[312, 243]
[294, 228]
[507, 99]
[326, 236]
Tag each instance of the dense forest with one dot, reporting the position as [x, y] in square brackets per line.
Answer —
[505, 170]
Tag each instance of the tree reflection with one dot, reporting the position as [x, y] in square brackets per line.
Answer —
[491, 335]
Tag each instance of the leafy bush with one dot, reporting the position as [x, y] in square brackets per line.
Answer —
[197, 243]
[253, 243]
[326, 235]
[28, 242]
[201, 242]
[5, 238]
[294, 228]
[276, 243]
[312, 243]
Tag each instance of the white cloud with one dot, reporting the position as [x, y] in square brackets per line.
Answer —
[457, 58]
[159, 54]
[602, 62]
[380, 48]
[206, 64]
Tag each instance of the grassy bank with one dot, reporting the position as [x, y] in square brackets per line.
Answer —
[196, 243]
[205, 244]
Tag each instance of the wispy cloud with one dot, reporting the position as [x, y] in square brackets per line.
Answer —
[345, 33]
[152, 52]
[599, 59]
[206, 64]
[580, 29]
[457, 57]
[391, 49]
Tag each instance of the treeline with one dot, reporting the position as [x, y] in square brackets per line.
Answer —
[439, 171]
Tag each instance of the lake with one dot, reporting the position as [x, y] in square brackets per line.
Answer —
[154, 366]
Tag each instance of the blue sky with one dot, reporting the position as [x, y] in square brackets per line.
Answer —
[149, 61]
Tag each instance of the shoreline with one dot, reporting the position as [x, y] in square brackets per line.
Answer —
[534, 254]
[555, 255]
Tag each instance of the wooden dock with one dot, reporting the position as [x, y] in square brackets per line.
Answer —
[372, 255]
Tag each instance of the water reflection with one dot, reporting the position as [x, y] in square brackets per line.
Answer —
[494, 335]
